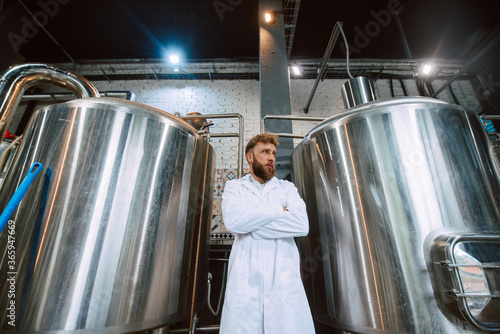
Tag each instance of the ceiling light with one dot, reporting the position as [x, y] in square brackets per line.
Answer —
[174, 59]
[426, 69]
[270, 17]
[296, 70]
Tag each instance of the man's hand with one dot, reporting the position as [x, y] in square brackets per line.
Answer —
[285, 209]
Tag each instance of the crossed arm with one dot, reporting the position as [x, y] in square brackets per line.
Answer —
[273, 220]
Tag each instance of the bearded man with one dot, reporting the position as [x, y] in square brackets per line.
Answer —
[264, 291]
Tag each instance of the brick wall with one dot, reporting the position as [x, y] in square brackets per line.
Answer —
[242, 97]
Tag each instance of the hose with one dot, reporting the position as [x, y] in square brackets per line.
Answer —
[222, 290]
[347, 50]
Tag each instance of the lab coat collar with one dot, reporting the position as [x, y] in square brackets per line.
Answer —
[270, 185]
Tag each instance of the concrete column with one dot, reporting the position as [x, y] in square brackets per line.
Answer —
[275, 82]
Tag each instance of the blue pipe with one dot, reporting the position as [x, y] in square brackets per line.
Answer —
[19, 194]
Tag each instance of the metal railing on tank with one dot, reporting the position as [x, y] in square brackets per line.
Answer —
[289, 117]
[238, 135]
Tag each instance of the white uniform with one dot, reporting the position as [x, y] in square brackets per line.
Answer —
[264, 292]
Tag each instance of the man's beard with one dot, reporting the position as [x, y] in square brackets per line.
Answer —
[262, 171]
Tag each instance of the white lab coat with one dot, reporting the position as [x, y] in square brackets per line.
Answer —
[264, 291]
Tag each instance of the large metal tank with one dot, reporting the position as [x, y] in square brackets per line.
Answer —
[112, 236]
[403, 198]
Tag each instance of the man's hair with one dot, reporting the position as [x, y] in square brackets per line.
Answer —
[262, 138]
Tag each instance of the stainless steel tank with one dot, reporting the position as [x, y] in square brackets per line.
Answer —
[112, 236]
[403, 197]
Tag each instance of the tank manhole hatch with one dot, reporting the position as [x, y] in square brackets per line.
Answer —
[466, 277]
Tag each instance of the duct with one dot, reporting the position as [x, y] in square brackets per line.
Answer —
[15, 80]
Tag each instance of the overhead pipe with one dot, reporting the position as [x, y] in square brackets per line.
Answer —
[324, 62]
[17, 79]
[42, 26]
[406, 46]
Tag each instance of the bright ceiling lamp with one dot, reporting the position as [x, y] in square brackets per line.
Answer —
[426, 69]
[270, 17]
[296, 70]
[174, 59]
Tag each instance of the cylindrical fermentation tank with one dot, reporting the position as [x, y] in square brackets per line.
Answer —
[403, 198]
[112, 236]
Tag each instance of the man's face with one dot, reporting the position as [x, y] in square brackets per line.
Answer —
[262, 159]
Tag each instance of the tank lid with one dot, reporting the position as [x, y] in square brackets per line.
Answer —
[379, 106]
[130, 106]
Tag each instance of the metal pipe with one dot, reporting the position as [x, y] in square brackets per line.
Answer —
[468, 64]
[324, 62]
[403, 36]
[286, 135]
[358, 91]
[219, 250]
[129, 95]
[490, 117]
[223, 285]
[294, 118]
[35, 19]
[288, 117]
[223, 135]
[15, 80]
[239, 135]
[200, 329]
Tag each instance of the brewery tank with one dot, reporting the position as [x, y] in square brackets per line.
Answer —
[403, 198]
[112, 236]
